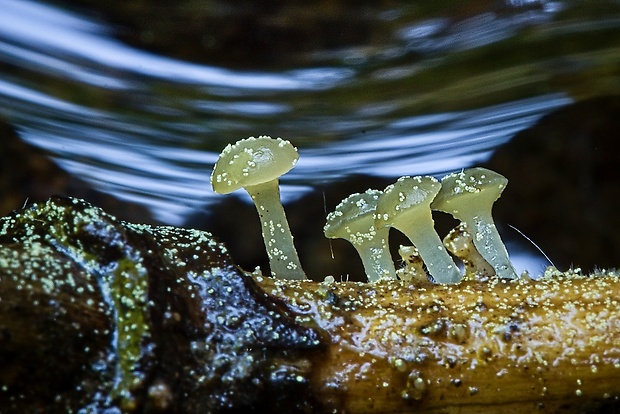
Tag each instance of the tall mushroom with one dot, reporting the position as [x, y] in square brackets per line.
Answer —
[353, 220]
[255, 164]
[405, 205]
[469, 196]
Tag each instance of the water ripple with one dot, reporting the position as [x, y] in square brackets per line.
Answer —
[63, 34]
[435, 94]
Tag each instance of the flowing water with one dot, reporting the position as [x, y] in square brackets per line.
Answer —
[411, 90]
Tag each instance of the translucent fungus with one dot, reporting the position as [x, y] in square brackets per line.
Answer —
[405, 205]
[353, 220]
[469, 196]
[256, 164]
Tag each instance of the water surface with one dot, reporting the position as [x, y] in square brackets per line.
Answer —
[411, 90]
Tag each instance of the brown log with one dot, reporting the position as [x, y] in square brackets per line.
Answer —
[510, 346]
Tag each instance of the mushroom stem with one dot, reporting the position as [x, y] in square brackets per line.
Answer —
[376, 257]
[414, 266]
[256, 164]
[489, 243]
[283, 259]
[354, 220]
[437, 260]
[405, 205]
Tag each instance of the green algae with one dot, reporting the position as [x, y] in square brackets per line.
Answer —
[72, 229]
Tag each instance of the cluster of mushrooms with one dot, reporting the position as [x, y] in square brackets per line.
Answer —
[256, 164]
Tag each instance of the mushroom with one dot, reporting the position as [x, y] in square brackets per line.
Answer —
[353, 220]
[460, 243]
[413, 269]
[405, 205]
[255, 164]
[469, 196]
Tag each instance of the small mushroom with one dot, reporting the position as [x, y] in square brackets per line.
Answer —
[413, 269]
[255, 164]
[405, 205]
[469, 196]
[353, 220]
[460, 243]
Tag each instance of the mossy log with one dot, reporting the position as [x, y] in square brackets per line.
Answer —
[98, 315]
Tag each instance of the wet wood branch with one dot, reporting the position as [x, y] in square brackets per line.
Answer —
[480, 346]
[104, 316]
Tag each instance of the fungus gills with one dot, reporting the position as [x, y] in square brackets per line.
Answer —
[255, 164]
[353, 220]
[405, 205]
[469, 196]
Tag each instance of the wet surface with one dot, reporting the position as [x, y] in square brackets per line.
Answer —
[137, 101]
[98, 315]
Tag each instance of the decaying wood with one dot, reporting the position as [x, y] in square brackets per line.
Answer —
[97, 315]
[510, 346]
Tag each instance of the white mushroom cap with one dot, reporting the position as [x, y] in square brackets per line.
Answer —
[353, 214]
[252, 161]
[469, 190]
[407, 196]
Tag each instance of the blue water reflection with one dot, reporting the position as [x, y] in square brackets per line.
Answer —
[440, 35]
[122, 165]
[436, 96]
[433, 144]
[150, 163]
[50, 31]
